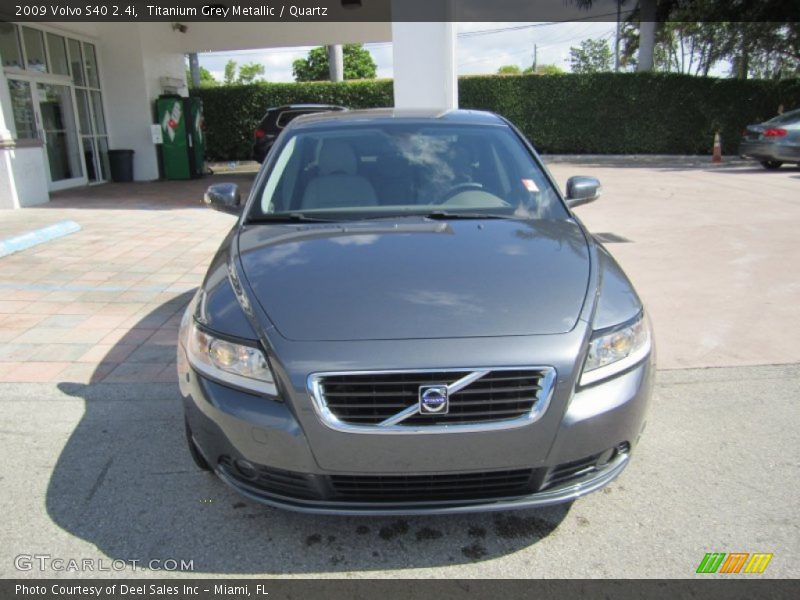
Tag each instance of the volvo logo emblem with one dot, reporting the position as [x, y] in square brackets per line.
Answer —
[433, 400]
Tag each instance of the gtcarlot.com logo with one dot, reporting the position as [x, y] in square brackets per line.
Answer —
[46, 562]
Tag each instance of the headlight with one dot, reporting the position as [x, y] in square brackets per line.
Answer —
[240, 365]
[613, 351]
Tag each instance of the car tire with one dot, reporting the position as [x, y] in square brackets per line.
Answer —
[197, 457]
[771, 164]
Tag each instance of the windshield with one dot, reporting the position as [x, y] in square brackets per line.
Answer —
[397, 169]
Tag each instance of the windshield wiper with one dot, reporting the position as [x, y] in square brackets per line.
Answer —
[289, 218]
[443, 215]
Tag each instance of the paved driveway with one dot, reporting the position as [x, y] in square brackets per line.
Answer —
[95, 465]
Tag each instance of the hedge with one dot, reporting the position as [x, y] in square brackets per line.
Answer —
[603, 113]
[232, 112]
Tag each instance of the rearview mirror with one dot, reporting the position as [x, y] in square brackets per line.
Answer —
[582, 190]
[224, 197]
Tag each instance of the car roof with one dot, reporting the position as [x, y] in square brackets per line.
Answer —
[385, 115]
[786, 117]
[306, 107]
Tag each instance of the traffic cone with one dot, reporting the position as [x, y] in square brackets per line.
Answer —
[716, 157]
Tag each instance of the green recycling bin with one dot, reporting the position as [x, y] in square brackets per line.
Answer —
[183, 136]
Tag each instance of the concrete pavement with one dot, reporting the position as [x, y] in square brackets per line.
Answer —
[102, 472]
[713, 253]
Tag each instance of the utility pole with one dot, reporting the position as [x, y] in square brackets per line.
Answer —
[194, 70]
[616, 39]
[535, 49]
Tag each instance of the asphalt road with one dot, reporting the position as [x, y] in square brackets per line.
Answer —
[102, 472]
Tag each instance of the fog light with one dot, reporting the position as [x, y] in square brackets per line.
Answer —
[246, 469]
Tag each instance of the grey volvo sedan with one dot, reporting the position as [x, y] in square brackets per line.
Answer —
[408, 318]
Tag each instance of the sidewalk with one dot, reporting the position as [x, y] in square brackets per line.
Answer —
[650, 161]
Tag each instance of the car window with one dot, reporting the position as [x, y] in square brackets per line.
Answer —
[288, 116]
[786, 118]
[402, 168]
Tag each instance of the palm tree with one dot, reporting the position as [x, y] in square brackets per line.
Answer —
[648, 16]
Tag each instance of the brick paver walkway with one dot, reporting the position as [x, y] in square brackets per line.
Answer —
[104, 304]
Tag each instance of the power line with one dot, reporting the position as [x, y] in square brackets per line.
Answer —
[579, 36]
[463, 34]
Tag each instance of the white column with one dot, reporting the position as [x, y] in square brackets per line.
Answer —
[336, 62]
[425, 70]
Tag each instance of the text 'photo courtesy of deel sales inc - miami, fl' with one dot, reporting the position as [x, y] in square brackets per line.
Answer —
[152, 589]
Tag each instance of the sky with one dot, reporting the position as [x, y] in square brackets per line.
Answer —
[476, 53]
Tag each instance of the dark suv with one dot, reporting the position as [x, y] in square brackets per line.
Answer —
[275, 119]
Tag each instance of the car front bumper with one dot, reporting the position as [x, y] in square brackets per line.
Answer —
[261, 448]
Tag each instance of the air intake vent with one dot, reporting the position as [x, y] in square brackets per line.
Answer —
[410, 488]
[574, 470]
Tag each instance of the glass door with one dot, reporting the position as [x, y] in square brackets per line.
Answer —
[59, 134]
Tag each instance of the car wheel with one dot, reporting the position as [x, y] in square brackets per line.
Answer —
[771, 164]
[198, 458]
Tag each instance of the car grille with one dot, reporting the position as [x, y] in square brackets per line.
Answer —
[369, 399]
[432, 488]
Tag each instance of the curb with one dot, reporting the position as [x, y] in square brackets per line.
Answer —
[644, 160]
[38, 236]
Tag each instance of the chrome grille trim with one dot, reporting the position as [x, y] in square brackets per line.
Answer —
[393, 424]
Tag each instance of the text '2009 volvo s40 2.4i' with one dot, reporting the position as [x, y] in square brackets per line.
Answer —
[407, 318]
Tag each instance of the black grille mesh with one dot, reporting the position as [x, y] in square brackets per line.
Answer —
[409, 488]
[368, 399]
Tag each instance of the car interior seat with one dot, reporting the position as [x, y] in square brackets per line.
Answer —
[338, 183]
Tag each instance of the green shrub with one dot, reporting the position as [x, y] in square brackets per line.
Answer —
[233, 112]
[601, 113]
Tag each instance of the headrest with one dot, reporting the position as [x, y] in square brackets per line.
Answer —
[337, 158]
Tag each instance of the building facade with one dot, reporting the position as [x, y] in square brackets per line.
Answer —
[69, 92]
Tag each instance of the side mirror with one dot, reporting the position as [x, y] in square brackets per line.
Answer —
[224, 197]
[582, 190]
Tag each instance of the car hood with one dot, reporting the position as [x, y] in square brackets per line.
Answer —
[414, 278]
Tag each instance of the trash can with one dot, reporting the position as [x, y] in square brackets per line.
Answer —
[121, 165]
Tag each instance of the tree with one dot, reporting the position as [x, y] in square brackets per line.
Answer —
[765, 50]
[206, 78]
[760, 39]
[649, 14]
[544, 70]
[697, 41]
[250, 72]
[358, 64]
[593, 56]
[230, 72]
[680, 47]
[509, 70]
